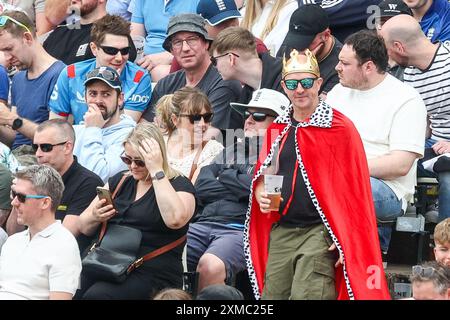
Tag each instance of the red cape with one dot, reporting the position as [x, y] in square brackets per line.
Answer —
[336, 167]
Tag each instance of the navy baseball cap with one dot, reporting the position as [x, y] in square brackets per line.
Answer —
[217, 11]
[107, 75]
[305, 24]
[390, 8]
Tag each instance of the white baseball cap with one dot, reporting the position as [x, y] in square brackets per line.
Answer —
[264, 99]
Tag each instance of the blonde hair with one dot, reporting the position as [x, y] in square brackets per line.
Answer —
[253, 10]
[172, 294]
[185, 100]
[147, 130]
[442, 232]
[234, 38]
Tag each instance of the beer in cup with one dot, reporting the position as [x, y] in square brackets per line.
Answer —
[272, 186]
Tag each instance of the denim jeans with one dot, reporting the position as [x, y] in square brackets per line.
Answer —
[444, 182]
[387, 208]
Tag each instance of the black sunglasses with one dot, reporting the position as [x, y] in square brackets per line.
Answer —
[113, 51]
[306, 83]
[23, 197]
[128, 161]
[207, 117]
[214, 59]
[46, 147]
[257, 116]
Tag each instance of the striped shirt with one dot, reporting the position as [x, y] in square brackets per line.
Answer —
[433, 85]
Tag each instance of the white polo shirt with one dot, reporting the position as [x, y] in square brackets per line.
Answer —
[31, 269]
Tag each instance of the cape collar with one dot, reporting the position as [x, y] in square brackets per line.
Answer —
[322, 116]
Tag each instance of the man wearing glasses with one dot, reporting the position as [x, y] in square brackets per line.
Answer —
[32, 86]
[110, 44]
[391, 119]
[42, 262]
[236, 58]
[99, 139]
[53, 144]
[189, 42]
[323, 237]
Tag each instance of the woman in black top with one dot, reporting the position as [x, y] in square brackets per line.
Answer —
[155, 199]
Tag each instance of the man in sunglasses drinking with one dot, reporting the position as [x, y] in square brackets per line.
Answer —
[321, 228]
[110, 44]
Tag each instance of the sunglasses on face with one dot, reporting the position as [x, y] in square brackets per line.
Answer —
[4, 19]
[214, 59]
[23, 197]
[207, 117]
[112, 51]
[257, 116]
[46, 147]
[128, 161]
[306, 83]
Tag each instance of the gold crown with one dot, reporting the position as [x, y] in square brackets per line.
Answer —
[297, 63]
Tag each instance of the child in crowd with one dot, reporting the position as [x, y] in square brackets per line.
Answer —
[442, 242]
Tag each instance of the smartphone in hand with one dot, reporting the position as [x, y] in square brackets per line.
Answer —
[104, 193]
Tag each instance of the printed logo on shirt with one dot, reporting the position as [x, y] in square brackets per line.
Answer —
[138, 98]
[82, 50]
[80, 98]
[430, 33]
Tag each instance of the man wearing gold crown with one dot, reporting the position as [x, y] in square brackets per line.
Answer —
[327, 210]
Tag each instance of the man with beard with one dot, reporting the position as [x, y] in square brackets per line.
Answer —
[70, 43]
[32, 86]
[384, 110]
[99, 140]
[110, 43]
[309, 28]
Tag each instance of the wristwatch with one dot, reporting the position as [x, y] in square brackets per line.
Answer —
[17, 124]
[158, 176]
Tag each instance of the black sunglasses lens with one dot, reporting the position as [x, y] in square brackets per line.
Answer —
[113, 51]
[258, 117]
[194, 118]
[21, 197]
[207, 117]
[246, 115]
[34, 147]
[139, 163]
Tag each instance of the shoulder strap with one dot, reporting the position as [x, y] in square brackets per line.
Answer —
[71, 71]
[195, 162]
[136, 264]
[119, 185]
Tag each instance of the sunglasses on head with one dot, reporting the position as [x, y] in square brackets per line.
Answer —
[257, 116]
[4, 19]
[113, 51]
[214, 59]
[306, 83]
[23, 197]
[426, 272]
[46, 147]
[207, 117]
[128, 161]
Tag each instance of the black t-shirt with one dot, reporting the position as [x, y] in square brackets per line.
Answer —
[79, 190]
[144, 215]
[301, 212]
[220, 93]
[71, 45]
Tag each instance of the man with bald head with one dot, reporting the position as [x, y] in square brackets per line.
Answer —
[428, 70]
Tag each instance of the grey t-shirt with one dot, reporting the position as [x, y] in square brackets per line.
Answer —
[220, 93]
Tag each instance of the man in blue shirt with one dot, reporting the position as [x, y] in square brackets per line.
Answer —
[434, 18]
[31, 87]
[110, 44]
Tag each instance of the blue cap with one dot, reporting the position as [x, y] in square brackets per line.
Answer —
[217, 11]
